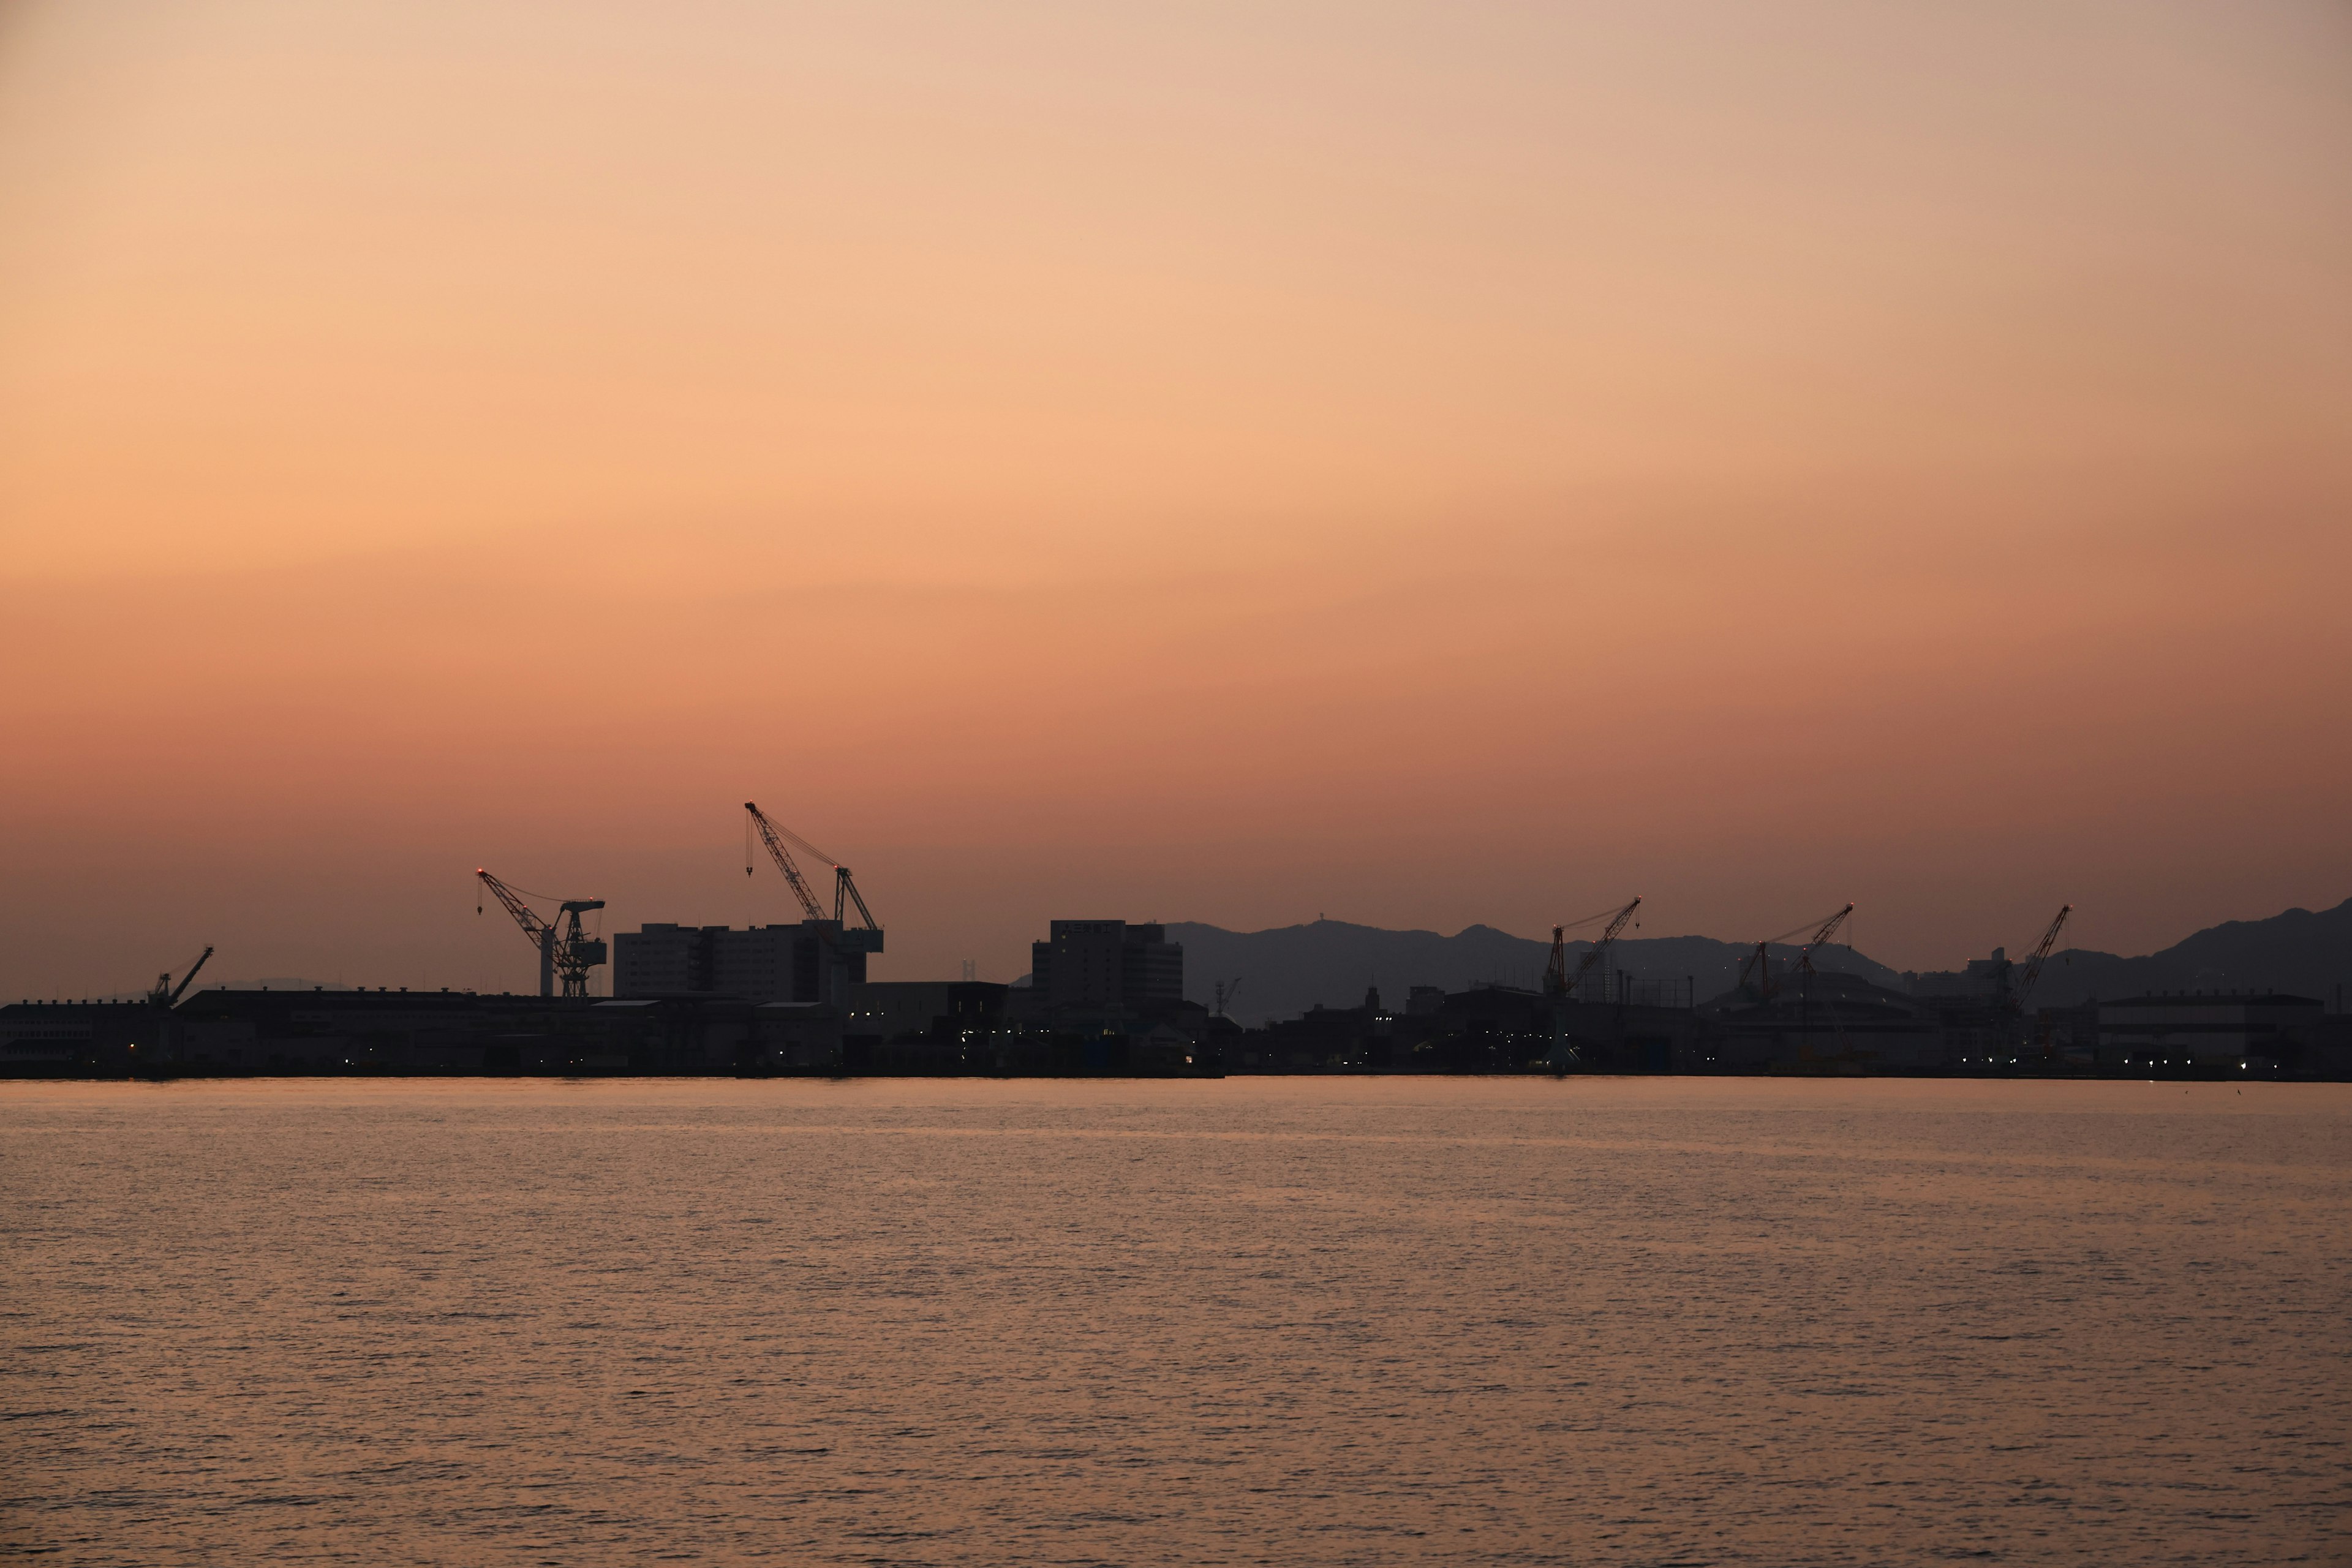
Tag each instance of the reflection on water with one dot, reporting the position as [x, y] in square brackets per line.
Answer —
[1244, 1322]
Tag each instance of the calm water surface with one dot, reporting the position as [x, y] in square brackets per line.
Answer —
[1640, 1321]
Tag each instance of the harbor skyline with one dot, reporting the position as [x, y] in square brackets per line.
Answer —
[1447, 467]
[1412, 782]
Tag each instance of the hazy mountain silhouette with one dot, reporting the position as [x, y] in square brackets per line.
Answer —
[2301, 953]
[1286, 971]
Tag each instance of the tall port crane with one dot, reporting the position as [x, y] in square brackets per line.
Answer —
[565, 951]
[167, 995]
[1558, 980]
[2040, 955]
[1558, 984]
[773, 837]
[164, 998]
[844, 888]
[1760, 963]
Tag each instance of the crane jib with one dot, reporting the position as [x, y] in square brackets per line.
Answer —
[770, 836]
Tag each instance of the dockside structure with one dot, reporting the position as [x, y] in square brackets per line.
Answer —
[813, 962]
[975, 1027]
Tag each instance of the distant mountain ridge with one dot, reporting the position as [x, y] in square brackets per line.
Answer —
[2303, 952]
[1286, 970]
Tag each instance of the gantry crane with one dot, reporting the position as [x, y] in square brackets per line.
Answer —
[1760, 963]
[565, 952]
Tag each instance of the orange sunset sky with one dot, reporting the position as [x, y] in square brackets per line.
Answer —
[1424, 464]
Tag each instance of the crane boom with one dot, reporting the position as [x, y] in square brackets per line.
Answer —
[1557, 978]
[181, 989]
[773, 837]
[165, 994]
[1593, 954]
[1829, 928]
[2041, 954]
[524, 915]
[1760, 963]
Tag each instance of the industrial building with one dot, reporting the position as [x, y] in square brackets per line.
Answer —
[248, 1032]
[1109, 966]
[895, 1010]
[2242, 1031]
[815, 962]
[1839, 1024]
[80, 1039]
[1831, 1022]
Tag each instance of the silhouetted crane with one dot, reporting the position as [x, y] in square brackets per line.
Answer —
[164, 998]
[1760, 963]
[1558, 980]
[1829, 928]
[773, 837]
[167, 995]
[2040, 955]
[569, 952]
[1558, 984]
[844, 888]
